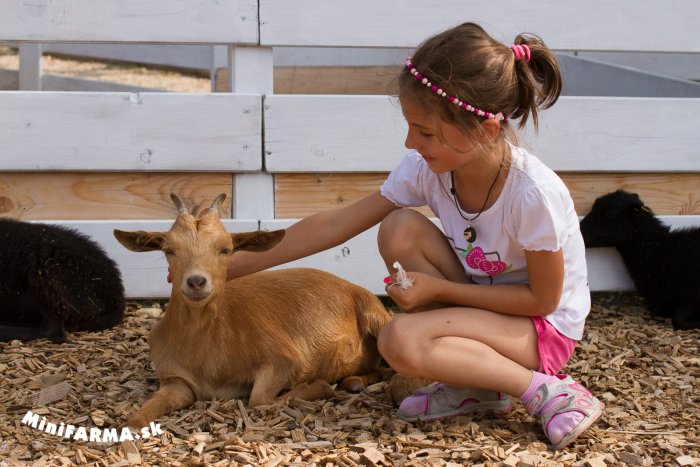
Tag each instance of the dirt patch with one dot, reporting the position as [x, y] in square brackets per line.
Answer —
[646, 373]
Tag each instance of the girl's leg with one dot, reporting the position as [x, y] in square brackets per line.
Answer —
[464, 347]
[472, 348]
[412, 239]
[475, 348]
[409, 237]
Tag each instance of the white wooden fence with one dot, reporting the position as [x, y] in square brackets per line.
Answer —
[254, 134]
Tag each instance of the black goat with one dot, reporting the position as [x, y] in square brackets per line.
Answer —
[54, 279]
[664, 264]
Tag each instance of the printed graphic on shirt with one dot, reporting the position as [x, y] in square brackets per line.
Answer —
[476, 258]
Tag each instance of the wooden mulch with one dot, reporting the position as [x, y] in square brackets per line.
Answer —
[646, 373]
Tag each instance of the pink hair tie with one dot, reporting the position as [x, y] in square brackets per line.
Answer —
[520, 51]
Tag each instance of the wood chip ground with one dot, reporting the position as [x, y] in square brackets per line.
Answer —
[644, 371]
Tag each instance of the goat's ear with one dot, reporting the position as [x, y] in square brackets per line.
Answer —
[140, 241]
[257, 241]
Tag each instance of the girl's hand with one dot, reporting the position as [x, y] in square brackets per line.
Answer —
[421, 293]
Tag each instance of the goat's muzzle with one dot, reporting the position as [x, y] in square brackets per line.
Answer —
[196, 287]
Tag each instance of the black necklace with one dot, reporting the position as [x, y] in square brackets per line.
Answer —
[470, 232]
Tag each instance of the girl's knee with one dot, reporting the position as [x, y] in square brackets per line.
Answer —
[398, 229]
[392, 344]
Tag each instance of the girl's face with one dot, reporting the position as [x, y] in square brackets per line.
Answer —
[443, 146]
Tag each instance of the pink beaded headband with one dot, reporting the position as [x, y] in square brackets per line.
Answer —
[455, 100]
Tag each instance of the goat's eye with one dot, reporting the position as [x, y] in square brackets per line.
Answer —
[225, 251]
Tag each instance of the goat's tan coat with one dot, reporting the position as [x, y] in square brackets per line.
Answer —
[255, 336]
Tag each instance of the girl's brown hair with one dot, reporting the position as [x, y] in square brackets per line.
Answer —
[468, 63]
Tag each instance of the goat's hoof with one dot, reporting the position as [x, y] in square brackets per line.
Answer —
[353, 384]
[323, 390]
[136, 422]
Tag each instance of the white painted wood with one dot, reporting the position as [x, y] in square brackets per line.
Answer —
[121, 131]
[333, 133]
[584, 25]
[619, 134]
[250, 69]
[219, 59]
[253, 196]
[606, 271]
[155, 21]
[366, 133]
[358, 260]
[30, 67]
[143, 274]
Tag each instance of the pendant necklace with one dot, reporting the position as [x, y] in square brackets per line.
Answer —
[470, 232]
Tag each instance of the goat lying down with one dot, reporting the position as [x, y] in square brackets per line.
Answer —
[53, 280]
[663, 263]
[261, 335]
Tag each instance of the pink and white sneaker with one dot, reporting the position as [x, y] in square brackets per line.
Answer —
[566, 409]
[438, 401]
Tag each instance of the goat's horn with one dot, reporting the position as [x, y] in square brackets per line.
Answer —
[214, 209]
[181, 209]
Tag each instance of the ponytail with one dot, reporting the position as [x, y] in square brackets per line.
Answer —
[539, 80]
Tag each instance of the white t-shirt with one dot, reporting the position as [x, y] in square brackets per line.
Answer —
[533, 212]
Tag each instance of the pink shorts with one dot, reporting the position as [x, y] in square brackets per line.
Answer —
[555, 348]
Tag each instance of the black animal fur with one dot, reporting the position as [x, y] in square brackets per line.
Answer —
[664, 264]
[54, 280]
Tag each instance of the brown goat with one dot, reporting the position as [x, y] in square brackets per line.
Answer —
[257, 335]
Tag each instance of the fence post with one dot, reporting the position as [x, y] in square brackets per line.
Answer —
[30, 67]
[250, 70]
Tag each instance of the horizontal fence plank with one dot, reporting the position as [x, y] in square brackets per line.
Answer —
[366, 133]
[76, 196]
[333, 133]
[302, 194]
[619, 134]
[648, 26]
[358, 260]
[154, 21]
[130, 132]
[138, 195]
[144, 274]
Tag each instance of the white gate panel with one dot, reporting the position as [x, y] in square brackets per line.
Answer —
[622, 25]
[130, 131]
[154, 21]
[366, 133]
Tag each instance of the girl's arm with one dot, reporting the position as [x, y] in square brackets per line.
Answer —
[314, 234]
[539, 297]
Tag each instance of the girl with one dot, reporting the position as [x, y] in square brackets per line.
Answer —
[503, 292]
